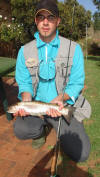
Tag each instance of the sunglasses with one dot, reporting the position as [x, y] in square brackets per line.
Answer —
[41, 17]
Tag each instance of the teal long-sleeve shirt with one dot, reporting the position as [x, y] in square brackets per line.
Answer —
[46, 90]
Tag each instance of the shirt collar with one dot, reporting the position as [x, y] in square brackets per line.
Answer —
[40, 43]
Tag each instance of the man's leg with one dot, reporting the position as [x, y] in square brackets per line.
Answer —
[73, 139]
[29, 127]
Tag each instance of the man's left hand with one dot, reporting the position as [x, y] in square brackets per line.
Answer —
[54, 112]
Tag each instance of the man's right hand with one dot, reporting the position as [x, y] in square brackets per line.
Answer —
[21, 113]
[26, 96]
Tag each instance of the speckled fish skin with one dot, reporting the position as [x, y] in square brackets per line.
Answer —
[36, 108]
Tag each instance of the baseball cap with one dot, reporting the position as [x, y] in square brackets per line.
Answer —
[48, 5]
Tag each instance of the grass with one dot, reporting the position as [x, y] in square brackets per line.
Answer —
[92, 93]
[7, 66]
[90, 168]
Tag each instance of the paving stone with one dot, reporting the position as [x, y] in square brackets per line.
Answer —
[6, 166]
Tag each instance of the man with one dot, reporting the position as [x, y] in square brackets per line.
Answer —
[51, 69]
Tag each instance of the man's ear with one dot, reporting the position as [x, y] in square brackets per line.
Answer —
[58, 21]
[35, 21]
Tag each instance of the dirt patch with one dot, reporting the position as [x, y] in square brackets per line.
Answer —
[88, 122]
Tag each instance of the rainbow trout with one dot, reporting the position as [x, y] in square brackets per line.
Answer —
[36, 108]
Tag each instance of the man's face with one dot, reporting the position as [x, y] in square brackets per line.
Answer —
[46, 24]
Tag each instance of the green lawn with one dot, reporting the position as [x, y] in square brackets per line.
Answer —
[7, 66]
[92, 93]
[90, 168]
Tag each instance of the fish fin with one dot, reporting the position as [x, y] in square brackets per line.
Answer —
[69, 116]
[67, 119]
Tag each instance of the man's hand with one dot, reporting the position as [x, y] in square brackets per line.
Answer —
[26, 96]
[54, 112]
[58, 100]
[21, 113]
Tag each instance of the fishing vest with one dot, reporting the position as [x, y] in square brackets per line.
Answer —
[63, 63]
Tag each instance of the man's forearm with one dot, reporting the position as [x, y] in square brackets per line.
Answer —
[62, 97]
[26, 96]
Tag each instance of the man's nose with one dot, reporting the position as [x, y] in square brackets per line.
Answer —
[45, 21]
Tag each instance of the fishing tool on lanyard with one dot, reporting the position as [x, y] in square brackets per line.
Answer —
[57, 145]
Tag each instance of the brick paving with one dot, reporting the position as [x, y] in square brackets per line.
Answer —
[19, 159]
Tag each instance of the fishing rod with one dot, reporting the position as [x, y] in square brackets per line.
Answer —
[55, 152]
[57, 145]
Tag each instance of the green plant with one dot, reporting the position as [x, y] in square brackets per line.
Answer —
[11, 31]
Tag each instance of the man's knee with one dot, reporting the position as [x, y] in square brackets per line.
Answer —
[23, 131]
[20, 133]
[26, 133]
[77, 157]
[75, 148]
[85, 153]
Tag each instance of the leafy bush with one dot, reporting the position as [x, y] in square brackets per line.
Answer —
[94, 48]
[12, 31]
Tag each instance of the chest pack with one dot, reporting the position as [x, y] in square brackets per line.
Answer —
[63, 63]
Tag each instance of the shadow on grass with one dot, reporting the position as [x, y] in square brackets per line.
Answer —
[94, 49]
[96, 58]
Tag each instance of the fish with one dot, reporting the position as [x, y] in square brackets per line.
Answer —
[37, 108]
